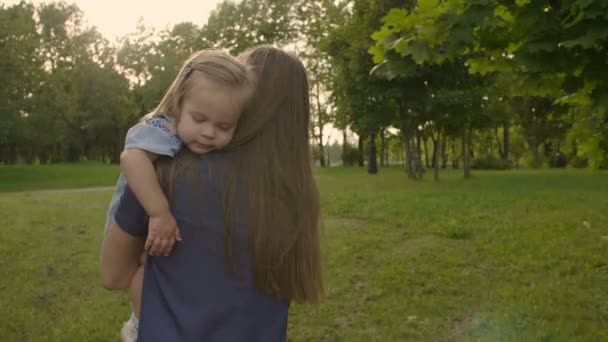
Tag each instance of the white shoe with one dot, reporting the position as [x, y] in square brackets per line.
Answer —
[128, 333]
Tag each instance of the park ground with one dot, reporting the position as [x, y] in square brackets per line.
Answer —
[506, 256]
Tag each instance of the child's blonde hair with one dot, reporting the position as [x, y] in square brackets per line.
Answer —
[214, 65]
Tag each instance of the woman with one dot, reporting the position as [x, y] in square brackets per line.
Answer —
[249, 219]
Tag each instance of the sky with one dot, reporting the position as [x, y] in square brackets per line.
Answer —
[115, 18]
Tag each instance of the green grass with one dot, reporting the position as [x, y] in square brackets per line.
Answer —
[505, 256]
[57, 176]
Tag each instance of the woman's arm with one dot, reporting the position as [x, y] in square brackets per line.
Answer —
[120, 258]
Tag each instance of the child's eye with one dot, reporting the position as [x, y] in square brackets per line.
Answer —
[197, 118]
[225, 127]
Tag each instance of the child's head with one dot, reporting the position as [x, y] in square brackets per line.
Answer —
[207, 98]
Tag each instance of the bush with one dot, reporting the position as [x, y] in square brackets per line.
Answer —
[530, 160]
[579, 162]
[558, 160]
[490, 163]
[350, 155]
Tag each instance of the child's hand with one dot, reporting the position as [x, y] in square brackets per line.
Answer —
[162, 234]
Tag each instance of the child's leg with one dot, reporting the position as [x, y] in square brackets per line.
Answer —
[137, 284]
[130, 329]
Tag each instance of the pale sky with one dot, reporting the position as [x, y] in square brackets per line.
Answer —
[115, 18]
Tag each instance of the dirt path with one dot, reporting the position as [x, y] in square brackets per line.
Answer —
[89, 189]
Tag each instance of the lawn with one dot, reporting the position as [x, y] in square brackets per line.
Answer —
[505, 256]
[57, 176]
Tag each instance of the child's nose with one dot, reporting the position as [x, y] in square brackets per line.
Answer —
[209, 132]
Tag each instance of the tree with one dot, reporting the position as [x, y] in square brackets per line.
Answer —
[552, 49]
[358, 93]
[237, 26]
[19, 66]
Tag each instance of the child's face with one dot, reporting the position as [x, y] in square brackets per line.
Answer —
[209, 116]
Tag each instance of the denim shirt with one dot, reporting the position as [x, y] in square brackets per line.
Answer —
[155, 135]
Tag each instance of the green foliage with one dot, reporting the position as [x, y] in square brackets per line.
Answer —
[550, 50]
[350, 155]
[490, 162]
[19, 66]
[237, 26]
[360, 97]
[579, 162]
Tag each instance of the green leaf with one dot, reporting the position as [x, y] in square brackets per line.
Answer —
[400, 45]
[377, 52]
[503, 13]
[418, 50]
[514, 46]
[591, 39]
[396, 18]
[580, 98]
[427, 5]
[485, 66]
[540, 45]
[381, 35]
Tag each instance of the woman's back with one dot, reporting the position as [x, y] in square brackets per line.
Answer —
[195, 294]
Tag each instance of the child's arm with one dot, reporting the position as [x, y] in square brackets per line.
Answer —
[138, 168]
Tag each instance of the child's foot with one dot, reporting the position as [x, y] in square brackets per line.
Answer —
[128, 333]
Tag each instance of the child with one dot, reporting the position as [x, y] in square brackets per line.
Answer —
[199, 111]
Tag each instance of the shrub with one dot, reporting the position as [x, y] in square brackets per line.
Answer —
[490, 163]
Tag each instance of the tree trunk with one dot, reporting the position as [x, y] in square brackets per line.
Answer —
[344, 147]
[321, 147]
[86, 149]
[382, 148]
[436, 157]
[505, 140]
[43, 155]
[444, 153]
[455, 157]
[498, 142]
[535, 149]
[418, 164]
[361, 162]
[466, 146]
[372, 163]
[426, 153]
[58, 153]
[12, 153]
[328, 153]
[387, 155]
[400, 155]
[407, 149]
[116, 152]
